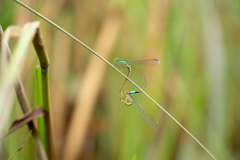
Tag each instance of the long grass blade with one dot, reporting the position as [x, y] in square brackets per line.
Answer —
[21, 146]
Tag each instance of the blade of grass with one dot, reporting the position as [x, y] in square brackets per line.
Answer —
[12, 75]
[38, 86]
[39, 102]
[21, 146]
[84, 45]
[9, 76]
[44, 63]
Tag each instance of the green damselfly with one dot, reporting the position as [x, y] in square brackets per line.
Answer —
[128, 96]
[145, 62]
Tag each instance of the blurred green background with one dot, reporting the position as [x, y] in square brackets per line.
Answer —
[198, 80]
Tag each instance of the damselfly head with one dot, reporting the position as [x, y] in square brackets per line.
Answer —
[126, 91]
[116, 59]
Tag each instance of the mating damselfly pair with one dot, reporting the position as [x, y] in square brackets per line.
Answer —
[128, 96]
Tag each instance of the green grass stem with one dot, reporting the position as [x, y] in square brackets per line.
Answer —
[39, 102]
[12, 76]
[44, 63]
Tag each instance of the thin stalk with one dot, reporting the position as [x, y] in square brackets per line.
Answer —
[44, 63]
[22, 98]
[39, 102]
[84, 45]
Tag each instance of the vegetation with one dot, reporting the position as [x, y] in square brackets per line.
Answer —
[197, 82]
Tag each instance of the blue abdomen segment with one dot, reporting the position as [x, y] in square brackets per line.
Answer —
[133, 92]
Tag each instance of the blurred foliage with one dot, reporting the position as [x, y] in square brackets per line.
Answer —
[198, 80]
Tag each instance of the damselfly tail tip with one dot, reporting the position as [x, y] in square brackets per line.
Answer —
[158, 62]
[156, 127]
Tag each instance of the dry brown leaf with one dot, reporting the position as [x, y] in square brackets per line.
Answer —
[29, 116]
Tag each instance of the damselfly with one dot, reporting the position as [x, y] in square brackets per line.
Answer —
[145, 62]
